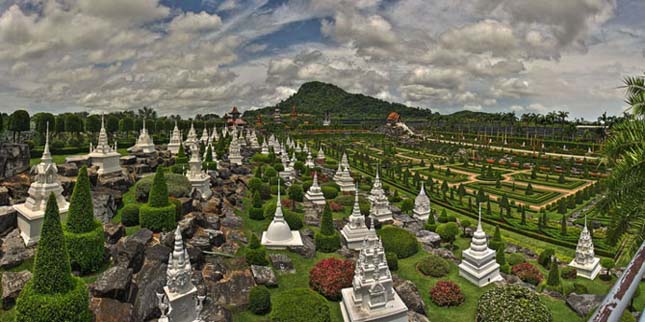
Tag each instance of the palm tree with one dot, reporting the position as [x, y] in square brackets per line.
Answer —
[147, 113]
[625, 154]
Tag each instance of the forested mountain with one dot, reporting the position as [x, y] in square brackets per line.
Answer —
[316, 98]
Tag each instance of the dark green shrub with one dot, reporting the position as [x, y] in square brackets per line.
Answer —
[130, 215]
[71, 306]
[512, 304]
[497, 241]
[328, 239]
[86, 251]
[293, 219]
[392, 261]
[311, 307]
[178, 186]
[399, 241]
[157, 219]
[544, 258]
[329, 192]
[260, 300]
[178, 207]
[80, 217]
[434, 266]
[256, 253]
[553, 279]
[181, 157]
[516, 258]
[256, 213]
[269, 209]
[580, 288]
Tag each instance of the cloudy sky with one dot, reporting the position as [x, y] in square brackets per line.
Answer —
[203, 56]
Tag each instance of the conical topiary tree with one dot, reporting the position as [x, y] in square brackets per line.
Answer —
[159, 214]
[256, 253]
[83, 233]
[328, 239]
[554, 274]
[53, 294]
[496, 242]
[181, 157]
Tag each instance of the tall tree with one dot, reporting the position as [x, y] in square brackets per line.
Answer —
[18, 122]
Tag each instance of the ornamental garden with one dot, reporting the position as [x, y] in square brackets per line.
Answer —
[220, 220]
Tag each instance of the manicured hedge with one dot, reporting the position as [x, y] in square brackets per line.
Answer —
[329, 192]
[260, 300]
[327, 243]
[157, 219]
[130, 215]
[294, 220]
[86, 250]
[392, 261]
[71, 306]
[178, 186]
[512, 304]
[400, 241]
[298, 305]
[255, 253]
[434, 266]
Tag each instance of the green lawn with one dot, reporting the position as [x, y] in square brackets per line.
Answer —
[541, 179]
[538, 197]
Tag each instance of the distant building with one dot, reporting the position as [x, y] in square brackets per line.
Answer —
[258, 121]
[393, 118]
[233, 118]
[327, 120]
[276, 116]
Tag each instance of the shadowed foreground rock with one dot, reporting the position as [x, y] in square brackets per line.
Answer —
[12, 284]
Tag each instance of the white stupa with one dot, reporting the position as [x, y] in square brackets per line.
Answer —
[32, 212]
[379, 205]
[191, 140]
[479, 265]
[175, 140]
[344, 180]
[179, 287]
[309, 162]
[355, 231]
[198, 178]
[144, 143]
[422, 205]
[103, 155]
[314, 194]
[585, 262]
[279, 235]
[343, 161]
[320, 157]
[234, 156]
[372, 296]
[289, 173]
[205, 137]
[265, 148]
[253, 140]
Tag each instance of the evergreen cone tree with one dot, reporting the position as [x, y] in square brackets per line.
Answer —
[563, 225]
[52, 271]
[209, 154]
[326, 222]
[81, 210]
[158, 196]
[181, 157]
[327, 240]
[554, 274]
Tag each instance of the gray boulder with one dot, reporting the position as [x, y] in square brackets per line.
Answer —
[150, 280]
[14, 251]
[8, 218]
[429, 238]
[113, 232]
[308, 250]
[12, 285]
[282, 263]
[416, 317]
[410, 295]
[264, 275]
[233, 290]
[583, 304]
[113, 283]
[110, 310]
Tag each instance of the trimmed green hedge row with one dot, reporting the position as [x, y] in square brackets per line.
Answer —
[299, 304]
[72, 306]
[86, 251]
[538, 196]
[157, 219]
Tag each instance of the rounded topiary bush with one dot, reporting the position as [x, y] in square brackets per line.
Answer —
[392, 261]
[434, 266]
[260, 300]
[446, 293]
[512, 304]
[528, 273]
[516, 258]
[569, 273]
[178, 186]
[71, 306]
[130, 215]
[327, 243]
[256, 213]
[293, 219]
[544, 258]
[157, 219]
[299, 304]
[400, 241]
[255, 253]
[330, 192]
[329, 276]
[86, 251]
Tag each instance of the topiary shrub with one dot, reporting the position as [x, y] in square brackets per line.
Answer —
[130, 215]
[434, 266]
[178, 186]
[569, 273]
[178, 207]
[553, 279]
[53, 294]
[400, 241]
[329, 276]
[159, 214]
[260, 300]
[329, 192]
[255, 253]
[544, 258]
[311, 306]
[512, 304]
[446, 293]
[327, 239]
[392, 261]
[497, 241]
[83, 233]
[528, 273]
[293, 219]
[516, 258]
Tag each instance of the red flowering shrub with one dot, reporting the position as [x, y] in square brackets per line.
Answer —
[335, 207]
[528, 273]
[286, 203]
[331, 275]
[446, 293]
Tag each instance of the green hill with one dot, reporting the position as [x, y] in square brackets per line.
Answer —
[316, 98]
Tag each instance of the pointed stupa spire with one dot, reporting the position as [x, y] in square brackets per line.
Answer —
[179, 271]
[46, 158]
[144, 123]
[315, 183]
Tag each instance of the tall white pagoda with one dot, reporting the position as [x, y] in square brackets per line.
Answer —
[379, 205]
[205, 137]
[32, 212]
[421, 205]
[309, 162]
[214, 135]
[343, 161]
[372, 296]
[253, 140]
[198, 178]
[279, 235]
[175, 140]
[344, 179]
[585, 262]
[144, 143]
[314, 194]
[356, 231]
[191, 140]
[179, 287]
[234, 156]
[320, 157]
[103, 155]
[479, 265]
[265, 148]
